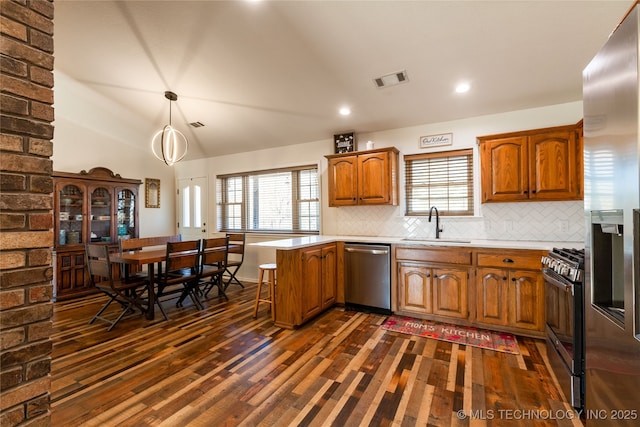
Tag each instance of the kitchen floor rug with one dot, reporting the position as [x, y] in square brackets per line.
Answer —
[483, 338]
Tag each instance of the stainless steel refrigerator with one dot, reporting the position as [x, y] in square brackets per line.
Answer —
[612, 218]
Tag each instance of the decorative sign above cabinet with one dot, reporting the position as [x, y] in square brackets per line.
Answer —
[436, 140]
[344, 142]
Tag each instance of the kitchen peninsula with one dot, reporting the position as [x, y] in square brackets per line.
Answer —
[486, 283]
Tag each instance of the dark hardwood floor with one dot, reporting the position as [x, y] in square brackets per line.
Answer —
[221, 367]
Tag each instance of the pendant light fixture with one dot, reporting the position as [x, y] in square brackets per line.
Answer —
[169, 144]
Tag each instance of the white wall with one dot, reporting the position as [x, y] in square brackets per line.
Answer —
[550, 221]
[91, 130]
[546, 221]
[301, 154]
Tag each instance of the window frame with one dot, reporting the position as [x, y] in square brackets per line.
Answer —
[222, 203]
[440, 156]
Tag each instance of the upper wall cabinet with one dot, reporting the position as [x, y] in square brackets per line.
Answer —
[364, 177]
[535, 165]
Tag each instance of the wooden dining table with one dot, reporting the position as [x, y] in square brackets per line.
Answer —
[150, 258]
[139, 258]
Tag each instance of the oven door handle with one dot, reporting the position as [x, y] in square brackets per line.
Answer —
[567, 287]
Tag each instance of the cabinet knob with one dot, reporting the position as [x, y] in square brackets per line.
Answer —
[504, 278]
[513, 279]
[435, 276]
[428, 275]
[508, 260]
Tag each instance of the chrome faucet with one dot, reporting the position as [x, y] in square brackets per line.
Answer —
[438, 229]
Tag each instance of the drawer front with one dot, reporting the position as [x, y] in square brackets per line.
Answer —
[444, 256]
[527, 261]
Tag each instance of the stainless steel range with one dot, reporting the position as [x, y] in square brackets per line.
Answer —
[563, 271]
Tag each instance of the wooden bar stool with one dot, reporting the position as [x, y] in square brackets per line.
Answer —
[271, 281]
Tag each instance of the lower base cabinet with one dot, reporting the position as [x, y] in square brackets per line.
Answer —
[306, 283]
[71, 274]
[433, 281]
[510, 298]
[501, 289]
[72, 279]
[433, 290]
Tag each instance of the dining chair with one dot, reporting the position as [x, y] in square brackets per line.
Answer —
[236, 257]
[140, 243]
[213, 262]
[127, 293]
[181, 268]
[130, 272]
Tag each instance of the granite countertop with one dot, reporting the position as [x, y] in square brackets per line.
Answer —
[301, 242]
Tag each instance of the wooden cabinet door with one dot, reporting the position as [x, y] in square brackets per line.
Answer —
[311, 283]
[450, 286]
[374, 181]
[526, 300]
[72, 278]
[343, 181]
[554, 169]
[414, 288]
[504, 169]
[329, 275]
[492, 296]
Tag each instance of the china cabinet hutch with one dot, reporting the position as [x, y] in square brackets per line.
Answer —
[94, 206]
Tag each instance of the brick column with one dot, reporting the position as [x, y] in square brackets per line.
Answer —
[26, 236]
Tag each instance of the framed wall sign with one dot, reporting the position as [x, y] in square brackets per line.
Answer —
[344, 142]
[436, 140]
[151, 193]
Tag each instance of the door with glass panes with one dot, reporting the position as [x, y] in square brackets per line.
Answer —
[192, 208]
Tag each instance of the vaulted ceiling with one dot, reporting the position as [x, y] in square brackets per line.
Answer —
[275, 73]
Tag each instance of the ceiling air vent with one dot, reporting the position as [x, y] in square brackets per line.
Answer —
[391, 79]
[197, 124]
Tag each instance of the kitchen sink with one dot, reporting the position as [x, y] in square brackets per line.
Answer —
[431, 240]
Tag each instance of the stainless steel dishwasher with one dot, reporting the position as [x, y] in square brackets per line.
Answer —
[367, 284]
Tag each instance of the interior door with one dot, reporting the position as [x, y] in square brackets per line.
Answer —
[192, 208]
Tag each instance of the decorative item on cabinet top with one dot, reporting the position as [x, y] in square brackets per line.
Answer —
[344, 142]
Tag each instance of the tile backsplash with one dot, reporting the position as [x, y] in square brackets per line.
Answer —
[539, 221]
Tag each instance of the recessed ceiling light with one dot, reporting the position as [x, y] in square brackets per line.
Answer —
[463, 87]
[345, 111]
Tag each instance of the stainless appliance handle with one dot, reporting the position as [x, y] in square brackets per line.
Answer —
[368, 251]
[567, 287]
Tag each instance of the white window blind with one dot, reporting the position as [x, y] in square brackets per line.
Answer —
[443, 180]
[282, 200]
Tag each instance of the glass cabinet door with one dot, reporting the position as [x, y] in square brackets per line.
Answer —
[100, 215]
[70, 230]
[126, 214]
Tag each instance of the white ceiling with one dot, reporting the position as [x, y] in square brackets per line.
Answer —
[274, 73]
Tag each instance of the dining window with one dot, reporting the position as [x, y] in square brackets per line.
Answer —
[277, 200]
[443, 180]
